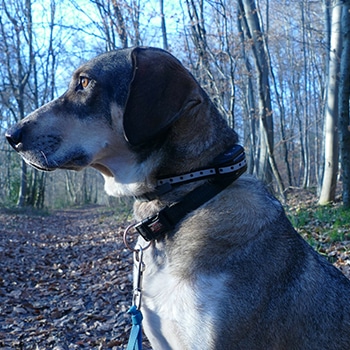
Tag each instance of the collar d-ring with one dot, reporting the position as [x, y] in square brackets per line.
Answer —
[127, 244]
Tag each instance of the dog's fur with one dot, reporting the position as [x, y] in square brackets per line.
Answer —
[234, 274]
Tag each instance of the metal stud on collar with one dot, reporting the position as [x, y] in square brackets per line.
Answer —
[204, 173]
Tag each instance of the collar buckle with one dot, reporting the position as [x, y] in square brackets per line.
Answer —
[154, 226]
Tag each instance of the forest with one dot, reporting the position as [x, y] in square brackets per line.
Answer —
[277, 70]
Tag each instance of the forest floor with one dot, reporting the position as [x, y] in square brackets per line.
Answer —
[65, 276]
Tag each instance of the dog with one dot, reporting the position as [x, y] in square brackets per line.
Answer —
[224, 268]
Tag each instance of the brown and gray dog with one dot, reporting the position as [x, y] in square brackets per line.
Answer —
[230, 272]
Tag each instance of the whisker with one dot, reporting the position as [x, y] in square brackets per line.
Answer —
[42, 152]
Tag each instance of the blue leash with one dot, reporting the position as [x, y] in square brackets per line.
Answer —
[135, 338]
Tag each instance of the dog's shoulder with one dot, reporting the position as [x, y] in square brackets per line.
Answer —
[226, 226]
[244, 207]
[253, 197]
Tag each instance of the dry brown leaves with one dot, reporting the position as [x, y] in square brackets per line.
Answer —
[65, 281]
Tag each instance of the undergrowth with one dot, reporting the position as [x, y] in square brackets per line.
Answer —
[326, 228]
[330, 222]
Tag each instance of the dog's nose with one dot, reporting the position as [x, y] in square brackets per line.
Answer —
[14, 138]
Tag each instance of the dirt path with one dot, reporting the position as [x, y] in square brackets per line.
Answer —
[65, 281]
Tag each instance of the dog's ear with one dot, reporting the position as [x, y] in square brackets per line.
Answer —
[160, 92]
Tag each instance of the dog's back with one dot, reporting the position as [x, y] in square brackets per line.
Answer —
[289, 297]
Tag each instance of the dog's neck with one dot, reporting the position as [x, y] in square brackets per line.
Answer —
[225, 169]
[227, 164]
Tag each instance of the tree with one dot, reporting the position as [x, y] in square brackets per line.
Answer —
[28, 71]
[19, 61]
[253, 32]
[213, 54]
[120, 22]
[344, 96]
[162, 18]
[199, 37]
[331, 152]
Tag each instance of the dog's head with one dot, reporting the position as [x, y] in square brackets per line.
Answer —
[117, 112]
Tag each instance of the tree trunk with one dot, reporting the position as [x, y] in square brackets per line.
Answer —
[21, 202]
[305, 124]
[251, 118]
[344, 95]
[164, 34]
[40, 195]
[123, 37]
[253, 30]
[331, 111]
[19, 73]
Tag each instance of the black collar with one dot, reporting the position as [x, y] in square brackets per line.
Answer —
[225, 169]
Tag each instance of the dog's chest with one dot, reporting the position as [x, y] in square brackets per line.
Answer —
[176, 312]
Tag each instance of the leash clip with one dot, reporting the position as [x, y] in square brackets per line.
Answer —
[140, 268]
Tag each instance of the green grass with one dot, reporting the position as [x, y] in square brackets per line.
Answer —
[321, 225]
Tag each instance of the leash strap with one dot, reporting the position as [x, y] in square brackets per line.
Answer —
[135, 338]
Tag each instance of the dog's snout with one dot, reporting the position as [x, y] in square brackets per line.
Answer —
[14, 138]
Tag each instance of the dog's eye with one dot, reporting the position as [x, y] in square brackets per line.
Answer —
[84, 82]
